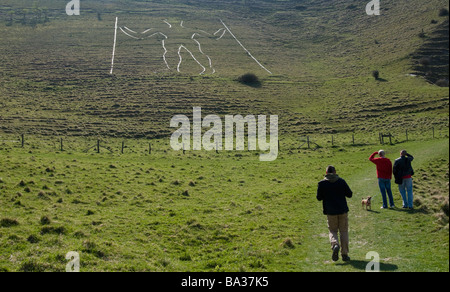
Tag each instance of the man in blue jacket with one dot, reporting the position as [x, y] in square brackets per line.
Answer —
[333, 191]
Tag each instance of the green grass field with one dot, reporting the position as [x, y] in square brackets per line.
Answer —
[208, 211]
[211, 212]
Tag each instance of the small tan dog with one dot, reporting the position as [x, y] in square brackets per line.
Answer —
[367, 202]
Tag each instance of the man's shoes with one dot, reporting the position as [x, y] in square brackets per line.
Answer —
[345, 258]
[335, 256]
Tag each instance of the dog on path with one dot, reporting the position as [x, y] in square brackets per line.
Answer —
[367, 202]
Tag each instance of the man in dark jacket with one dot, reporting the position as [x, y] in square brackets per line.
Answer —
[403, 173]
[333, 191]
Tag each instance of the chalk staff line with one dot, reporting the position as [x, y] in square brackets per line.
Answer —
[226, 27]
[114, 47]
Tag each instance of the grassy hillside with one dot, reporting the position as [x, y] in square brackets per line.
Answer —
[208, 211]
[55, 75]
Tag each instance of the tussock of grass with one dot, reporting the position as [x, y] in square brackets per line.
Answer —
[8, 222]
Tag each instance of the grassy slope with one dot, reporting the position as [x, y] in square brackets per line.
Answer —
[55, 75]
[228, 221]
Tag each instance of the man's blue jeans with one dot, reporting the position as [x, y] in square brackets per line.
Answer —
[406, 190]
[385, 187]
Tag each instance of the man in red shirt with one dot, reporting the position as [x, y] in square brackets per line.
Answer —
[384, 174]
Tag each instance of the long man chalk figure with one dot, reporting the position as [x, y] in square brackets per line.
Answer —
[178, 40]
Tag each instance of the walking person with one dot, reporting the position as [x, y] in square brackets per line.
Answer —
[403, 173]
[384, 174]
[333, 191]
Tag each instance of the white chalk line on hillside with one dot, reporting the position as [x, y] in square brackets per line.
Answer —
[129, 29]
[223, 31]
[166, 22]
[201, 51]
[156, 33]
[226, 27]
[164, 55]
[193, 57]
[114, 47]
[131, 36]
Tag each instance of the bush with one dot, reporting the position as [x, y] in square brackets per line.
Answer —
[443, 12]
[376, 74]
[250, 79]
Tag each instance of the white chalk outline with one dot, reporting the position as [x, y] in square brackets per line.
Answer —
[224, 30]
[129, 34]
[114, 47]
[193, 57]
[129, 29]
[166, 22]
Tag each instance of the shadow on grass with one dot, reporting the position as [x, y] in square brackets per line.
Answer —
[361, 265]
[412, 211]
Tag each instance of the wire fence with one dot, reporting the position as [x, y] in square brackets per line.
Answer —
[91, 144]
